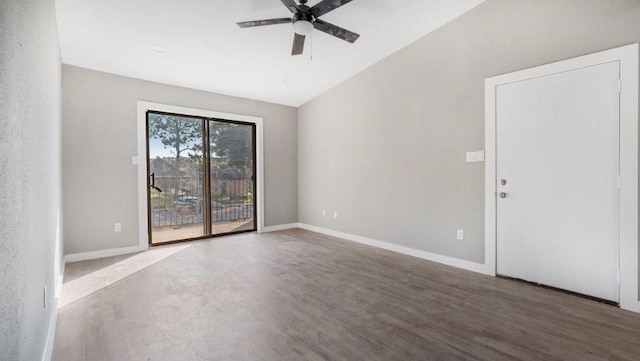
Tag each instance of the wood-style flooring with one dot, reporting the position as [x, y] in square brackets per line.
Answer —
[298, 295]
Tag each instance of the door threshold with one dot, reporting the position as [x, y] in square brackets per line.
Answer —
[577, 294]
[201, 238]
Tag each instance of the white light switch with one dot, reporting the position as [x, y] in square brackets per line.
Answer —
[134, 160]
[470, 156]
[335, 215]
[475, 156]
[460, 234]
[117, 227]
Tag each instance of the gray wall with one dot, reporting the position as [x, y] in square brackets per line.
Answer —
[99, 128]
[386, 148]
[30, 172]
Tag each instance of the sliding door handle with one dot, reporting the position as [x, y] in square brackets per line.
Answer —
[153, 183]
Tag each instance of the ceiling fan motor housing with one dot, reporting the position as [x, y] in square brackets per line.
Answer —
[303, 16]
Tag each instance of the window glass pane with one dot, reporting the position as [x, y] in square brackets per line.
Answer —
[176, 162]
[232, 177]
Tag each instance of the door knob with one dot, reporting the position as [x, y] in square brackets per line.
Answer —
[502, 195]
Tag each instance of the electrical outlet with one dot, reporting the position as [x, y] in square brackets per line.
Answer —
[335, 215]
[44, 297]
[324, 212]
[460, 234]
[117, 227]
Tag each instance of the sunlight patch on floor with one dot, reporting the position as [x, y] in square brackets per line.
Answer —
[84, 286]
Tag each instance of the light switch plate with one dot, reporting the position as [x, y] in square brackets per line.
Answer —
[134, 160]
[460, 234]
[477, 156]
[470, 156]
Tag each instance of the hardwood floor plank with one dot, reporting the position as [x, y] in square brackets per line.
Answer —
[298, 295]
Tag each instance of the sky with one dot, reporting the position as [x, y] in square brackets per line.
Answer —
[157, 149]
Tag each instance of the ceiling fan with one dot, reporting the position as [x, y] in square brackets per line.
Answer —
[305, 19]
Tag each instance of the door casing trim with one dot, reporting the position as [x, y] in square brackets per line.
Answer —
[627, 56]
[143, 107]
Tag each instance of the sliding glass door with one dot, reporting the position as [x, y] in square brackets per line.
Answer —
[201, 177]
[232, 176]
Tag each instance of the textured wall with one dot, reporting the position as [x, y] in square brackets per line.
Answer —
[30, 172]
[386, 149]
[100, 136]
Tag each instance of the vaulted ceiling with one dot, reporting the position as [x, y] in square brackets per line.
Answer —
[197, 44]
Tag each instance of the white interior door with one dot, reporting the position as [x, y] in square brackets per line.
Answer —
[557, 140]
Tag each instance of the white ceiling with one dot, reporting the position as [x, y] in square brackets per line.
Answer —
[206, 50]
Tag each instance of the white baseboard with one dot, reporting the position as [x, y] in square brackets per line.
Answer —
[84, 256]
[450, 261]
[59, 283]
[75, 257]
[60, 280]
[51, 333]
[280, 227]
[631, 306]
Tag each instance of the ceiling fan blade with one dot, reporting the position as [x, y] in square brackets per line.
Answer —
[336, 31]
[298, 44]
[250, 24]
[291, 5]
[325, 6]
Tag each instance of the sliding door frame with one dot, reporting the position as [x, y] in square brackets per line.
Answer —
[205, 164]
[254, 170]
[141, 160]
